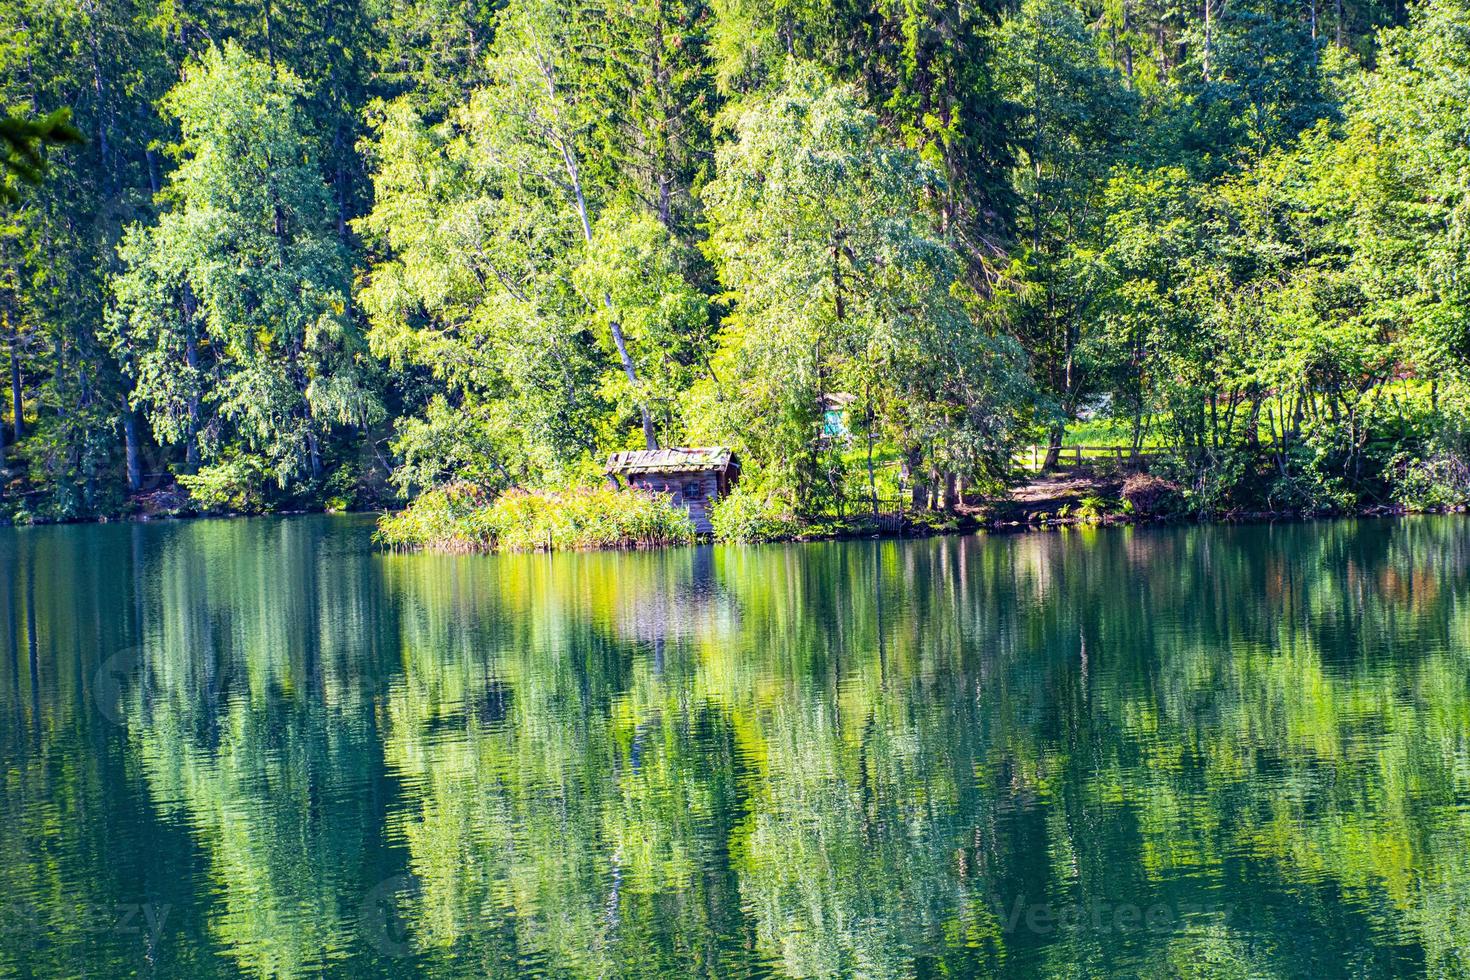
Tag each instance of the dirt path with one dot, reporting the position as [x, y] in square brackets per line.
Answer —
[1046, 494]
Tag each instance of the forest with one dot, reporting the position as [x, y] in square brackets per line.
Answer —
[331, 254]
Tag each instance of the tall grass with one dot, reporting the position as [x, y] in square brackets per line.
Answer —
[461, 518]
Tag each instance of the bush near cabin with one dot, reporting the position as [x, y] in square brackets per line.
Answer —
[747, 515]
[463, 518]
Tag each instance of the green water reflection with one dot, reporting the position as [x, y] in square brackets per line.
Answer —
[260, 748]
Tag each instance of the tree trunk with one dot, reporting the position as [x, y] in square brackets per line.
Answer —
[665, 202]
[270, 46]
[343, 192]
[1127, 46]
[104, 113]
[314, 452]
[152, 159]
[191, 358]
[191, 431]
[1209, 37]
[130, 449]
[650, 435]
[574, 178]
[17, 394]
[1053, 447]
[872, 481]
[918, 488]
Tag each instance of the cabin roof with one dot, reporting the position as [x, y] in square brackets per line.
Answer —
[677, 459]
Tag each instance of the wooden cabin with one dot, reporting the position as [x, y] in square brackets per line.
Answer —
[694, 478]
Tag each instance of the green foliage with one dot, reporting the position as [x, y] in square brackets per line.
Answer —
[842, 283]
[642, 271]
[451, 517]
[417, 242]
[449, 444]
[460, 517]
[590, 518]
[23, 142]
[1076, 120]
[1261, 318]
[748, 515]
[1256, 78]
[1441, 480]
[234, 485]
[342, 489]
[232, 310]
[517, 277]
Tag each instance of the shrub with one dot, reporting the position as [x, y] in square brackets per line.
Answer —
[1092, 508]
[341, 489]
[1310, 492]
[1210, 483]
[454, 517]
[234, 485]
[1151, 496]
[747, 515]
[1442, 480]
[460, 517]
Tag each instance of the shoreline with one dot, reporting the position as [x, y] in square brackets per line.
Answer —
[969, 524]
[971, 521]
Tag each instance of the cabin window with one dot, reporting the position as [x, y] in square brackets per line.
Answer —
[694, 491]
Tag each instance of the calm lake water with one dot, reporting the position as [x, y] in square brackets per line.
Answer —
[259, 747]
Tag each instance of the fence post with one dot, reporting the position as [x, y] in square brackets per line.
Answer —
[1079, 455]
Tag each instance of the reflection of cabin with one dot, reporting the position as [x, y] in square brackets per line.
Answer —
[695, 478]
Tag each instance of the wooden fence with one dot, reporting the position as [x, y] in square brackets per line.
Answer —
[890, 514]
[889, 511]
[1031, 457]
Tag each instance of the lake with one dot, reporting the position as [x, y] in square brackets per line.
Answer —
[262, 748]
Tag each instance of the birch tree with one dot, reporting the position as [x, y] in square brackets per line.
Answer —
[233, 307]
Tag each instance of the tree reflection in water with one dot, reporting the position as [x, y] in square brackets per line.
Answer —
[1204, 751]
